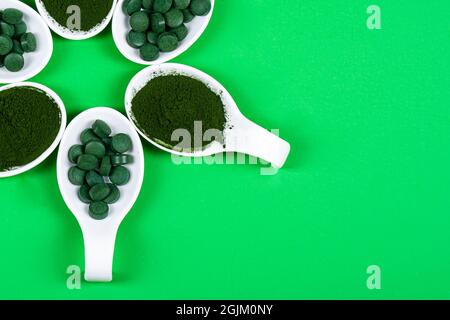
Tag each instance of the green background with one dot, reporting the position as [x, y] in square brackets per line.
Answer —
[367, 181]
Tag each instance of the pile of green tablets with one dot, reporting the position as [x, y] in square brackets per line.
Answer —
[99, 168]
[159, 25]
[14, 40]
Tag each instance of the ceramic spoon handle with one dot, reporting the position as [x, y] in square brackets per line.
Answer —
[251, 139]
[99, 242]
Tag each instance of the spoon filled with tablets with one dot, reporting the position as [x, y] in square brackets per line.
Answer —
[100, 169]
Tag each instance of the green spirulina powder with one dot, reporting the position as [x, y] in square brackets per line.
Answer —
[29, 123]
[92, 12]
[171, 102]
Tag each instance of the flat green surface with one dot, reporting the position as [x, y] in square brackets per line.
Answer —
[367, 182]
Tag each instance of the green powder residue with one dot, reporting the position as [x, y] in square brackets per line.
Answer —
[29, 123]
[168, 103]
[93, 12]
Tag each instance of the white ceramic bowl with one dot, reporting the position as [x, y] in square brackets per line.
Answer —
[34, 61]
[70, 34]
[121, 27]
[46, 154]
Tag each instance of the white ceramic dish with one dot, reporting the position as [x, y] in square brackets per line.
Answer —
[99, 235]
[241, 135]
[70, 34]
[121, 27]
[36, 61]
[46, 154]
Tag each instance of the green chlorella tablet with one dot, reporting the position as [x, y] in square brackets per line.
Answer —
[121, 159]
[93, 178]
[158, 23]
[139, 21]
[7, 29]
[87, 136]
[105, 166]
[6, 45]
[152, 37]
[98, 210]
[17, 47]
[12, 16]
[187, 15]
[174, 18]
[200, 7]
[83, 194]
[101, 129]
[121, 143]
[162, 6]
[119, 175]
[167, 42]
[20, 29]
[87, 162]
[99, 191]
[149, 52]
[136, 39]
[95, 148]
[133, 6]
[76, 176]
[147, 4]
[28, 42]
[14, 62]
[181, 32]
[74, 152]
[181, 4]
[114, 196]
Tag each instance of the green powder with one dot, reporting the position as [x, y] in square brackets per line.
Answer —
[168, 103]
[93, 12]
[29, 123]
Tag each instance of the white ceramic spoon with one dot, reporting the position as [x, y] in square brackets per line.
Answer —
[121, 27]
[65, 32]
[241, 134]
[35, 61]
[99, 236]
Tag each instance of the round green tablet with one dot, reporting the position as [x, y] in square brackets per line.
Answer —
[98, 210]
[87, 136]
[101, 129]
[14, 62]
[167, 42]
[96, 148]
[99, 191]
[76, 176]
[187, 15]
[83, 194]
[139, 21]
[125, 5]
[181, 32]
[147, 4]
[174, 18]
[133, 6]
[152, 37]
[200, 7]
[119, 175]
[105, 166]
[136, 39]
[181, 4]
[113, 196]
[28, 42]
[157, 22]
[121, 143]
[121, 159]
[87, 162]
[162, 6]
[7, 29]
[74, 152]
[149, 52]
[17, 47]
[20, 29]
[6, 45]
[93, 178]
[12, 16]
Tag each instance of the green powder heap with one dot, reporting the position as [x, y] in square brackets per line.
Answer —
[168, 103]
[29, 123]
[93, 12]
